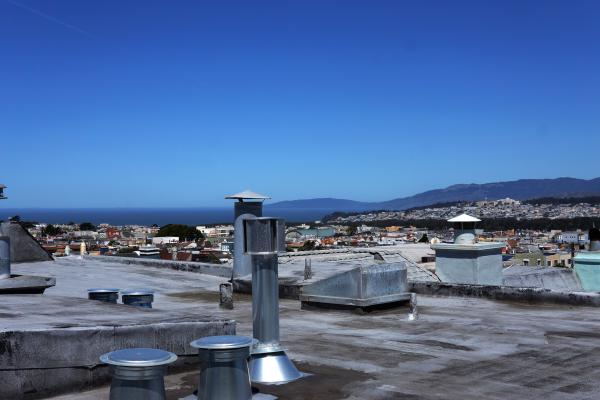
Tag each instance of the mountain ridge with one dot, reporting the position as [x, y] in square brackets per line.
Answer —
[521, 189]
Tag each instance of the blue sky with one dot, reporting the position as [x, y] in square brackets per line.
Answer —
[177, 103]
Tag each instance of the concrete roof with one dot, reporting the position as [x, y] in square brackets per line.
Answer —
[458, 348]
[464, 218]
[248, 194]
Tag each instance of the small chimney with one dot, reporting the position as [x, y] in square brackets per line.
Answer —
[464, 229]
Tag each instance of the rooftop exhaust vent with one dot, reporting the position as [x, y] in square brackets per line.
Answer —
[263, 239]
[464, 228]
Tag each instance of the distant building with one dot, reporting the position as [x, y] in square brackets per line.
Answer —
[165, 240]
[572, 237]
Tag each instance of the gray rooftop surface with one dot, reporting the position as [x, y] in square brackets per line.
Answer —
[459, 347]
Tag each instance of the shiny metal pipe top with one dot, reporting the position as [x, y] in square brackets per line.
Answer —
[138, 357]
[103, 290]
[224, 342]
[137, 292]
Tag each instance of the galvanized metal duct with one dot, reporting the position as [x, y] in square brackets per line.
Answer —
[224, 367]
[263, 239]
[4, 257]
[138, 373]
[139, 297]
[107, 295]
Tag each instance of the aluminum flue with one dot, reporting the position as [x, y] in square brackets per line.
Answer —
[138, 297]
[248, 205]
[138, 373]
[107, 295]
[264, 238]
[224, 367]
[4, 257]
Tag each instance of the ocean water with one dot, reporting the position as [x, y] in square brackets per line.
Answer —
[150, 216]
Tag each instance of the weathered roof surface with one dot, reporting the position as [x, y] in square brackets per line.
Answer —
[459, 348]
[561, 279]
[464, 218]
[248, 194]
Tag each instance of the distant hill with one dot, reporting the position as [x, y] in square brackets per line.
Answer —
[323, 203]
[523, 189]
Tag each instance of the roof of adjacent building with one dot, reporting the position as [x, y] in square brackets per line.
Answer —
[248, 194]
[464, 218]
[457, 348]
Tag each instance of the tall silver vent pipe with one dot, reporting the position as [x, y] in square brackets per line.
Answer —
[4, 247]
[264, 238]
[4, 257]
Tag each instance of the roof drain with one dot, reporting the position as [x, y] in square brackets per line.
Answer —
[263, 239]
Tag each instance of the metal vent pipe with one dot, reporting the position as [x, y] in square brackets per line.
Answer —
[140, 297]
[224, 367]
[105, 295]
[264, 238]
[138, 373]
[4, 257]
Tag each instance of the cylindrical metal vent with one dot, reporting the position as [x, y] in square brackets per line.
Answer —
[101, 294]
[264, 235]
[4, 257]
[248, 207]
[594, 236]
[138, 373]
[224, 367]
[139, 297]
[265, 298]
[264, 238]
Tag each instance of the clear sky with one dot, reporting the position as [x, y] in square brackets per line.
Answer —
[178, 103]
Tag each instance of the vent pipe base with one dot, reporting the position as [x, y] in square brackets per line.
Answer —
[272, 368]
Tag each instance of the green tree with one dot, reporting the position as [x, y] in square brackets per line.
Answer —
[308, 245]
[183, 232]
[52, 230]
[351, 230]
[87, 226]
